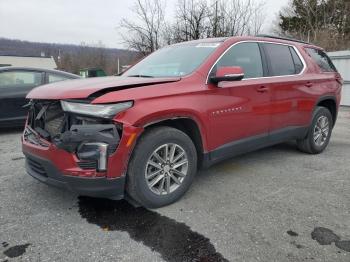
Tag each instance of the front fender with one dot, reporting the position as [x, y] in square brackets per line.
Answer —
[146, 115]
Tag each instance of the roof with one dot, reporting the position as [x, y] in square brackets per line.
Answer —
[344, 54]
[24, 55]
[283, 38]
[268, 38]
[40, 62]
[202, 40]
[289, 41]
[10, 68]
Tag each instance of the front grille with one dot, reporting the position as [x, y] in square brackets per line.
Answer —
[47, 118]
[87, 164]
[36, 167]
[54, 119]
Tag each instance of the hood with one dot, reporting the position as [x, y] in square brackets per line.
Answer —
[92, 87]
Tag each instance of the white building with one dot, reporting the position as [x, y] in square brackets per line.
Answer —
[341, 60]
[28, 61]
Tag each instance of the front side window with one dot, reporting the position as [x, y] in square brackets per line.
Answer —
[321, 59]
[20, 79]
[176, 60]
[280, 59]
[245, 55]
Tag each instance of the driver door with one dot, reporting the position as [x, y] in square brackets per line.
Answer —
[239, 113]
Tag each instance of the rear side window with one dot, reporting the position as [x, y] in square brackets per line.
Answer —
[245, 55]
[281, 60]
[321, 59]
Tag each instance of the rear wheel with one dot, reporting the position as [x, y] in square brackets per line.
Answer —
[162, 167]
[319, 132]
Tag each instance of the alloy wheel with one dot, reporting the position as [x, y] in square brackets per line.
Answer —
[166, 169]
[321, 130]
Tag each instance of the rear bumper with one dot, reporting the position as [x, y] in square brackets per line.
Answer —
[45, 171]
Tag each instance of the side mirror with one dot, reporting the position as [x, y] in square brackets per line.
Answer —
[228, 73]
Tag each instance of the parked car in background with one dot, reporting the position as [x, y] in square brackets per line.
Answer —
[92, 72]
[15, 83]
[145, 134]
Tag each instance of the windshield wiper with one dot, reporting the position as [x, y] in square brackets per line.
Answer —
[140, 76]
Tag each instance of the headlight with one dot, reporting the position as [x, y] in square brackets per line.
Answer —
[97, 110]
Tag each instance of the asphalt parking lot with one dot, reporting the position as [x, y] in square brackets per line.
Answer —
[276, 204]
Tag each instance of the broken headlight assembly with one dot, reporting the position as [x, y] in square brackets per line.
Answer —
[96, 110]
[86, 130]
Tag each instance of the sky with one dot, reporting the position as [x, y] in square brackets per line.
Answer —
[76, 21]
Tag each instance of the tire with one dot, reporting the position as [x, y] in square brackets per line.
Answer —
[142, 163]
[309, 144]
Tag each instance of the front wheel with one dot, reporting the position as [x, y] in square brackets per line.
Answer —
[162, 167]
[319, 132]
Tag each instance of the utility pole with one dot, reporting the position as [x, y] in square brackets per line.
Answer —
[118, 62]
[186, 22]
[216, 19]
[59, 59]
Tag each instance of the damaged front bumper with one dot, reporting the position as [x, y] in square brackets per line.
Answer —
[89, 159]
[46, 172]
[92, 143]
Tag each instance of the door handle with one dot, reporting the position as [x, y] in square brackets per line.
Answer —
[308, 84]
[262, 89]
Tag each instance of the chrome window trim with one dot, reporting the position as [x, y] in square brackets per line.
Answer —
[233, 75]
[262, 77]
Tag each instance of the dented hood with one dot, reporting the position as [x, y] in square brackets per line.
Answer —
[83, 88]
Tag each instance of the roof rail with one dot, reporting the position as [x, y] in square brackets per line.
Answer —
[284, 38]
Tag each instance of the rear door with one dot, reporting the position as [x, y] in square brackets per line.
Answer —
[288, 89]
[14, 86]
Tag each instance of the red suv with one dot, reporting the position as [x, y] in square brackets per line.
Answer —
[145, 134]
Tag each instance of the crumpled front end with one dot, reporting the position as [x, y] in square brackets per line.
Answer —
[84, 154]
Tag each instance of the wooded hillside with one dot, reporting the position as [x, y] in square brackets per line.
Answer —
[70, 57]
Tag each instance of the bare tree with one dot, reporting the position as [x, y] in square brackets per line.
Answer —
[143, 32]
[257, 19]
[193, 19]
[190, 21]
[197, 19]
[236, 17]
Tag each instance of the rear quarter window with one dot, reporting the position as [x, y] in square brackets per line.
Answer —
[321, 59]
[56, 78]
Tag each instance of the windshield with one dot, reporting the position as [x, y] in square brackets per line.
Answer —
[176, 60]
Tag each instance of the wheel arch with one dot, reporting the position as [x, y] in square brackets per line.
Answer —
[189, 126]
[329, 102]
